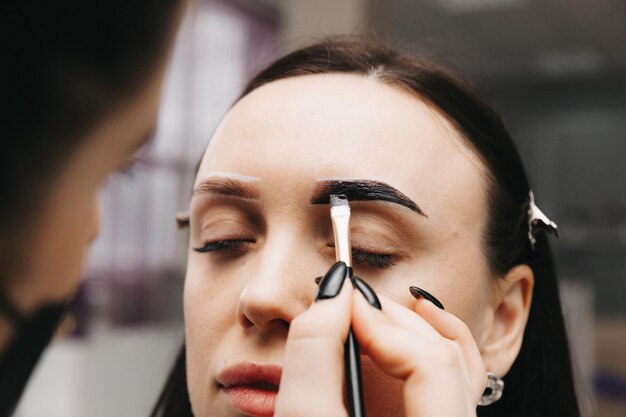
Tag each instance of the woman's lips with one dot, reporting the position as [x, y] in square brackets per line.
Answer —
[251, 388]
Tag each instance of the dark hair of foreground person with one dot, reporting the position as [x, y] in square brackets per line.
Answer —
[68, 65]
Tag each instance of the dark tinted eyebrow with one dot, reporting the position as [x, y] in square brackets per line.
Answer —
[228, 187]
[363, 190]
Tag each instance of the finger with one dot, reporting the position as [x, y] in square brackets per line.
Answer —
[453, 328]
[435, 381]
[405, 317]
[312, 378]
[442, 324]
[433, 322]
[395, 338]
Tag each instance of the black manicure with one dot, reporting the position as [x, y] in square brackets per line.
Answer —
[318, 280]
[333, 281]
[418, 292]
[367, 292]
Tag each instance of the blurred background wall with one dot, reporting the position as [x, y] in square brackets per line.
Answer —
[556, 70]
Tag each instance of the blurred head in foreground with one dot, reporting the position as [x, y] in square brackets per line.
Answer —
[80, 88]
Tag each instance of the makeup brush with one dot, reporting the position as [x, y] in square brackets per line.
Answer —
[340, 217]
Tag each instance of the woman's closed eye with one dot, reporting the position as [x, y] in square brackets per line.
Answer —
[226, 232]
[375, 260]
[238, 246]
[225, 245]
[369, 258]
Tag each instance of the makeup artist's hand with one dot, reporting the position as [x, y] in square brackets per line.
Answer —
[429, 349]
[432, 351]
[312, 379]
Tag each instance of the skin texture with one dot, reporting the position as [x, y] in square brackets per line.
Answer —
[69, 221]
[280, 141]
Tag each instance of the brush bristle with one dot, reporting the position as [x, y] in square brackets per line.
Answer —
[337, 200]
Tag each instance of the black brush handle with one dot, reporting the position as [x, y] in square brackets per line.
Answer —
[352, 361]
[354, 387]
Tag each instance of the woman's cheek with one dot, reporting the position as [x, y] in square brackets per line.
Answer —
[205, 328]
[383, 394]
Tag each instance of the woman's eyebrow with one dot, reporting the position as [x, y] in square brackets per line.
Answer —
[229, 185]
[363, 190]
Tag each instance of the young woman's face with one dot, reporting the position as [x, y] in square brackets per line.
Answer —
[258, 239]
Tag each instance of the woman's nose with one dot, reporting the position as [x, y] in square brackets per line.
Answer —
[281, 287]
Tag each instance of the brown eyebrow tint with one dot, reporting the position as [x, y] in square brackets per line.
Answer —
[363, 190]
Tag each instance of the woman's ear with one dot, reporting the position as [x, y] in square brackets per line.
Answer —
[503, 339]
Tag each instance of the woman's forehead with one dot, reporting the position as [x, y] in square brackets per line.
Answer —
[343, 126]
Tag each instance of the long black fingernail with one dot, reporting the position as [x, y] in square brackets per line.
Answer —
[418, 292]
[318, 280]
[367, 292]
[333, 281]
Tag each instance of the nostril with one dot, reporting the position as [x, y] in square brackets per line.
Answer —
[245, 321]
[269, 301]
[284, 324]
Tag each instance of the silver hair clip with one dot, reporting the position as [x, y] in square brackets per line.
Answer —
[537, 221]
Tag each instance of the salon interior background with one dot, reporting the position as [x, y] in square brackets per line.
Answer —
[555, 68]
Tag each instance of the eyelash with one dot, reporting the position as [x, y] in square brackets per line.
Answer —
[223, 245]
[374, 260]
[128, 169]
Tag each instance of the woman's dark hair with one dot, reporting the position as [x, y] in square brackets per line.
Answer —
[540, 383]
[67, 65]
